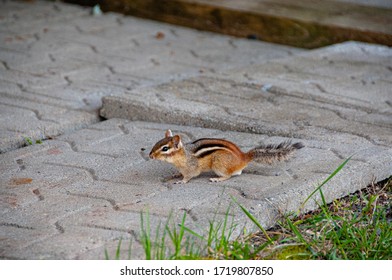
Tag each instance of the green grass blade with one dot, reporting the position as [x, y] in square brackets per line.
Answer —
[253, 219]
[193, 233]
[324, 182]
[159, 245]
[145, 235]
[296, 232]
[118, 249]
[182, 230]
[28, 140]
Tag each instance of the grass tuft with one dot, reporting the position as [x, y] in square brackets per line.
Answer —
[355, 227]
[29, 141]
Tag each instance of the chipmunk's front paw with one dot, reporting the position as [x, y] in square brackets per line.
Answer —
[169, 178]
[183, 181]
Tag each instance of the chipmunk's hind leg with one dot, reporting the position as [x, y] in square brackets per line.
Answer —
[226, 166]
[224, 177]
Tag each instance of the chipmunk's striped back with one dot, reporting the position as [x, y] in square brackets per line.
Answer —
[206, 146]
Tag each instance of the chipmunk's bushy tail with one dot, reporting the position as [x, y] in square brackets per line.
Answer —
[273, 153]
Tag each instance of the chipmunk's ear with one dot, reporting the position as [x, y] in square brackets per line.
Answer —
[168, 133]
[177, 141]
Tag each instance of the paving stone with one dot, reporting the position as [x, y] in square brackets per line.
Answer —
[67, 245]
[16, 238]
[30, 82]
[62, 56]
[292, 100]
[27, 15]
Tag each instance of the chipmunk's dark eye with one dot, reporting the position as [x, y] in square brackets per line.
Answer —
[165, 148]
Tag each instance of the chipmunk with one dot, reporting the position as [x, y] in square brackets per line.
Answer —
[219, 155]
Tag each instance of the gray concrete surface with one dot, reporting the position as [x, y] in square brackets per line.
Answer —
[81, 191]
[58, 60]
[344, 89]
[74, 197]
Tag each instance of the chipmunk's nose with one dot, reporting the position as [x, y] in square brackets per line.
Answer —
[151, 156]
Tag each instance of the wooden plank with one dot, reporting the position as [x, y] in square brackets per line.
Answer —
[305, 23]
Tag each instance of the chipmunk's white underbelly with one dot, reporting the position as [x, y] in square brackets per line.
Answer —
[222, 174]
[239, 172]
